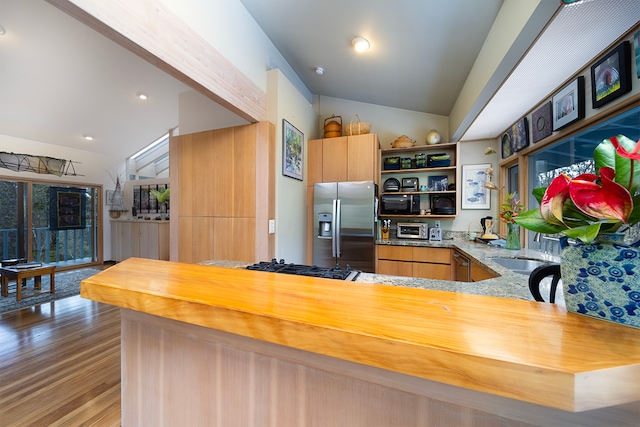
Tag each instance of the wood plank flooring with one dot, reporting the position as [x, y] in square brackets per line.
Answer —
[60, 365]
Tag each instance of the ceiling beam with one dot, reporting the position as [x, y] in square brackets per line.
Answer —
[152, 31]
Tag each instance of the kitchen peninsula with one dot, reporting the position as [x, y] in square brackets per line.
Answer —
[206, 345]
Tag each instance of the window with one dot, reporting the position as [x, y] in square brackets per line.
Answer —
[58, 227]
[574, 156]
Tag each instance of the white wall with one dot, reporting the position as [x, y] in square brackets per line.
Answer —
[286, 102]
[197, 113]
[389, 123]
[96, 169]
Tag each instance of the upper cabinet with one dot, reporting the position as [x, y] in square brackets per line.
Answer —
[344, 158]
[432, 170]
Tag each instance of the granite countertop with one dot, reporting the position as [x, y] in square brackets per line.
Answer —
[507, 285]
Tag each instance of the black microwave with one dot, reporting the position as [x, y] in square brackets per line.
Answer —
[404, 204]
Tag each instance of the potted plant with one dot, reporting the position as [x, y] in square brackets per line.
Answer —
[162, 198]
[510, 208]
[600, 273]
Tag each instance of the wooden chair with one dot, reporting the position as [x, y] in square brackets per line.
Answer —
[538, 275]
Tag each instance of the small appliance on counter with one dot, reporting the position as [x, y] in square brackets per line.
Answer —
[487, 229]
[409, 184]
[435, 233]
[413, 230]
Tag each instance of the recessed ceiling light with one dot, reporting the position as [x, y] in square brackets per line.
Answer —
[141, 95]
[88, 137]
[360, 44]
[319, 71]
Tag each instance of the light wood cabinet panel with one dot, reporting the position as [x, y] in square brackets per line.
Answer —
[234, 239]
[345, 158]
[395, 268]
[148, 239]
[432, 271]
[401, 253]
[334, 159]
[411, 261]
[314, 161]
[230, 177]
[362, 155]
[478, 273]
[244, 172]
[218, 174]
[432, 255]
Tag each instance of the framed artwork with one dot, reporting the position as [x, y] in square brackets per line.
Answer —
[108, 197]
[541, 123]
[474, 194]
[67, 207]
[507, 143]
[636, 48]
[611, 75]
[520, 134]
[292, 151]
[568, 104]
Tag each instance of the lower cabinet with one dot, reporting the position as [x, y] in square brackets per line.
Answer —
[148, 239]
[479, 273]
[411, 261]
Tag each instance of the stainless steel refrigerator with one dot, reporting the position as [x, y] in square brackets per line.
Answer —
[344, 216]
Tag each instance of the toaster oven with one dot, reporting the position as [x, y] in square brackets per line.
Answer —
[412, 230]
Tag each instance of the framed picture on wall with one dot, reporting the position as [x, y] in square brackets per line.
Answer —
[541, 122]
[292, 151]
[520, 132]
[568, 104]
[507, 143]
[474, 193]
[611, 75]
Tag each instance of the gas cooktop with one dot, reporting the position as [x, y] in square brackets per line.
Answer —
[336, 272]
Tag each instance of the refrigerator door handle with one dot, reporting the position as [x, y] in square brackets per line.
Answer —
[333, 229]
[338, 229]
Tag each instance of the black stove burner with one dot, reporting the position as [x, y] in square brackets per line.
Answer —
[305, 270]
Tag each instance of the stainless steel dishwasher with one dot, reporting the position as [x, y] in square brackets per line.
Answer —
[462, 267]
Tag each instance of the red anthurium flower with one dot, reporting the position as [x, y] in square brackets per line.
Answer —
[553, 200]
[633, 155]
[609, 201]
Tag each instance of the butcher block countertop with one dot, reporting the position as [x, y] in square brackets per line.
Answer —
[530, 351]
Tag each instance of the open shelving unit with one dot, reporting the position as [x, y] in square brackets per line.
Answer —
[423, 174]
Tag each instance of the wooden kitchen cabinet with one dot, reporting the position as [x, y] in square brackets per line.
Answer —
[411, 261]
[479, 273]
[141, 239]
[345, 158]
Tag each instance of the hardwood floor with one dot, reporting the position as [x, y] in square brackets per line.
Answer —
[60, 365]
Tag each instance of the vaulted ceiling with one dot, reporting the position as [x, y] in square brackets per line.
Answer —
[60, 79]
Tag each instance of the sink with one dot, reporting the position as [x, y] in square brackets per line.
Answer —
[519, 265]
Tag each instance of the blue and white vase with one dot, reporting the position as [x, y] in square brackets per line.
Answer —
[602, 279]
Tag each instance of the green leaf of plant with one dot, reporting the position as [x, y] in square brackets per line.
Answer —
[538, 193]
[585, 233]
[532, 220]
[605, 155]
